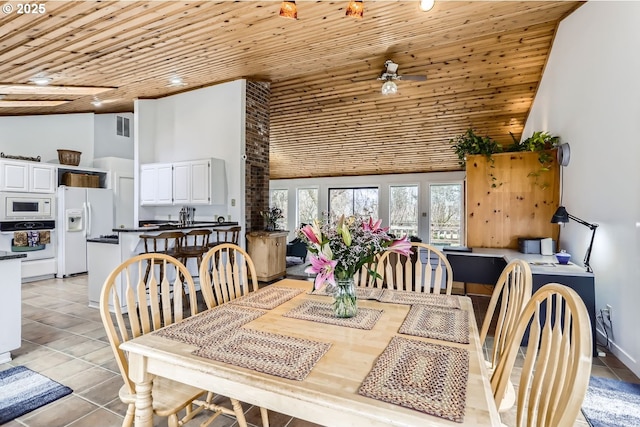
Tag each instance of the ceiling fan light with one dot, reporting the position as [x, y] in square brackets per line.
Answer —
[427, 5]
[355, 9]
[389, 88]
[288, 9]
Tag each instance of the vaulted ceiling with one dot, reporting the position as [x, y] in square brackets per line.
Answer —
[483, 61]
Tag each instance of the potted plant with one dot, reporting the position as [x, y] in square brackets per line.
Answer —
[272, 216]
[470, 143]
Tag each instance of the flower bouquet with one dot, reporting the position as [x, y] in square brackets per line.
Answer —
[272, 216]
[340, 249]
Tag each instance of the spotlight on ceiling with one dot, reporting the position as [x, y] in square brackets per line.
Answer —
[96, 102]
[355, 9]
[389, 88]
[176, 82]
[40, 80]
[288, 9]
[427, 5]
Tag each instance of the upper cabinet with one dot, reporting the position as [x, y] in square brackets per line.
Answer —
[194, 182]
[27, 177]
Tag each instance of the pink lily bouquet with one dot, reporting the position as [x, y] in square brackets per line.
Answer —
[340, 249]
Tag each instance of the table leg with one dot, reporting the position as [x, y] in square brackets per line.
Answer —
[144, 383]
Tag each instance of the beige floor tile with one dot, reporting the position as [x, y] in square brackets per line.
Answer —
[60, 412]
[100, 417]
[66, 370]
[51, 359]
[87, 379]
[104, 392]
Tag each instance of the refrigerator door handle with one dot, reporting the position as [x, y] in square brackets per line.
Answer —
[86, 221]
[89, 218]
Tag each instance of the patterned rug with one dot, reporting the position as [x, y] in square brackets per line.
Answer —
[611, 403]
[316, 311]
[269, 353]
[440, 323]
[210, 326]
[268, 298]
[23, 390]
[426, 377]
[408, 297]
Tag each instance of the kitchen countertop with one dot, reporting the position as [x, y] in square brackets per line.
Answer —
[166, 226]
[11, 255]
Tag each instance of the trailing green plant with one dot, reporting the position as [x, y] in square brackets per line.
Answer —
[541, 142]
[470, 143]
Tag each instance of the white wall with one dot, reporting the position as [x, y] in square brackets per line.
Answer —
[382, 182]
[590, 96]
[106, 142]
[34, 136]
[194, 125]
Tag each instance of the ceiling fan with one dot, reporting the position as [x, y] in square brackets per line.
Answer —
[390, 73]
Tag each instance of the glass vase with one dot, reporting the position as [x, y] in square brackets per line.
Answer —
[345, 303]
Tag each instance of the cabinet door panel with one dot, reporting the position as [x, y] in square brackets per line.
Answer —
[42, 178]
[200, 180]
[165, 185]
[15, 176]
[148, 182]
[181, 182]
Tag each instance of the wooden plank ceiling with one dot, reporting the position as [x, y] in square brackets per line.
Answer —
[483, 60]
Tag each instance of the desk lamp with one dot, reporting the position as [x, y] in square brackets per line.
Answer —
[562, 216]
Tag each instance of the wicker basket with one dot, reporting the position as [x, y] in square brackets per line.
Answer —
[69, 157]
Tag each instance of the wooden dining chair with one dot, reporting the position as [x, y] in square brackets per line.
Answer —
[365, 277]
[425, 270]
[512, 291]
[151, 304]
[557, 363]
[226, 235]
[226, 273]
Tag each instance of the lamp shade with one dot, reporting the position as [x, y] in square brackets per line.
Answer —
[389, 88]
[561, 216]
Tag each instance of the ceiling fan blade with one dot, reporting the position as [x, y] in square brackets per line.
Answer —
[415, 78]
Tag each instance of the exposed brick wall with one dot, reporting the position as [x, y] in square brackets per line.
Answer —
[257, 152]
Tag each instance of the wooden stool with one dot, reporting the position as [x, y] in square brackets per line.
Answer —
[226, 235]
[168, 243]
[196, 244]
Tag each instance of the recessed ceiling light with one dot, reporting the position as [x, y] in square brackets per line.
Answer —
[96, 102]
[427, 5]
[40, 80]
[176, 82]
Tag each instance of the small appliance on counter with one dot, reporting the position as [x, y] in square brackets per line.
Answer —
[536, 245]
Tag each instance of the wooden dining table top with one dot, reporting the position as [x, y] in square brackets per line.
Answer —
[329, 394]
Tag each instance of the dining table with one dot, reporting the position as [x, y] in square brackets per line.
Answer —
[406, 359]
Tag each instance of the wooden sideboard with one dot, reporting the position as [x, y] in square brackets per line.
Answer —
[268, 250]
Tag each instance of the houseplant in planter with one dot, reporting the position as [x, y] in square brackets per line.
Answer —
[470, 143]
[272, 216]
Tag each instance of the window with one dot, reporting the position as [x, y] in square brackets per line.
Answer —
[279, 199]
[307, 205]
[403, 210]
[353, 201]
[445, 225]
[122, 126]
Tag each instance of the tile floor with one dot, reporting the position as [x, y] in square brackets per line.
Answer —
[65, 340]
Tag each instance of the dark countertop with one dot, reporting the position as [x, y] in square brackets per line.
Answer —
[166, 226]
[11, 255]
[109, 240]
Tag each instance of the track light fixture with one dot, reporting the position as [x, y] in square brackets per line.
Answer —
[288, 9]
[355, 9]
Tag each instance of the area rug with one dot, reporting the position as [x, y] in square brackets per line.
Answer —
[23, 390]
[611, 403]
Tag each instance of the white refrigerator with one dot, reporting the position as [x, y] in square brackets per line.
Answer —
[82, 213]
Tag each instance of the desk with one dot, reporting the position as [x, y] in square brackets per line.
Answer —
[484, 265]
[329, 394]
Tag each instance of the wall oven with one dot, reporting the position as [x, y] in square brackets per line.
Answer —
[27, 225]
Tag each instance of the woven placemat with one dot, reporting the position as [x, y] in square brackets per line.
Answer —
[408, 297]
[361, 293]
[269, 353]
[210, 326]
[429, 378]
[268, 298]
[322, 312]
[442, 323]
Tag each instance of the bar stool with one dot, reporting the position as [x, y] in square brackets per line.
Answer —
[168, 243]
[226, 235]
[196, 244]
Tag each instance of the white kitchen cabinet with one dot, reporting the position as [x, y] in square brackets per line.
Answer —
[27, 177]
[156, 184]
[194, 182]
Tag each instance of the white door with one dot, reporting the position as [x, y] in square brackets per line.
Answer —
[200, 182]
[42, 178]
[15, 176]
[164, 189]
[182, 183]
[124, 202]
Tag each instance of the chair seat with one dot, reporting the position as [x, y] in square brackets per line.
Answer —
[169, 396]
